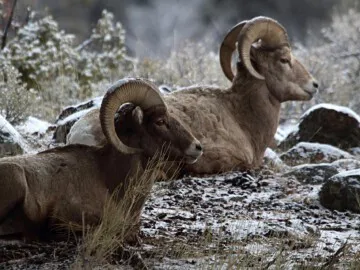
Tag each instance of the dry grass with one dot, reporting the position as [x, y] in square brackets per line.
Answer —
[120, 220]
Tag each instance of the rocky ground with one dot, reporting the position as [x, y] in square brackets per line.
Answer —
[271, 218]
[249, 220]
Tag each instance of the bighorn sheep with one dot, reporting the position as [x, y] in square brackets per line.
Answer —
[65, 182]
[235, 125]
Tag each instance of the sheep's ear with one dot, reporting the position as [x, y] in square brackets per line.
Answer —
[138, 115]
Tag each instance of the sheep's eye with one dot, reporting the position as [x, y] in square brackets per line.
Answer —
[284, 61]
[160, 122]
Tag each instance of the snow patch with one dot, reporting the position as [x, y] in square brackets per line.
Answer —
[34, 125]
[348, 173]
[75, 116]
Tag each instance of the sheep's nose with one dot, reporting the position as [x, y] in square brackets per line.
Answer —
[316, 84]
[199, 147]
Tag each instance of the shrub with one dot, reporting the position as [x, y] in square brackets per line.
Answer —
[15, 99]
[192, 64]
[40, 51]
[59, 72]
[103, 55]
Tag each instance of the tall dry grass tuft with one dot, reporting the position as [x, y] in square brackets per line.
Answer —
[120, 221]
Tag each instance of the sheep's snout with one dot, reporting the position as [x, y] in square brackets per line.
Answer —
[194, 151]
[311, 88]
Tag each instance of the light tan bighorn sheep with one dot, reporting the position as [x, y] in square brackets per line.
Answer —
[65, 182]
[234, 125]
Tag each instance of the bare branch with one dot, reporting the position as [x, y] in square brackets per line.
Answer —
[8, 24]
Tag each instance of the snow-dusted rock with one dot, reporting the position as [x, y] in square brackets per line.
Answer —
[329, 124]
[272, 158]
[305, 152]
[312, 173]
[346, 164]
[342, 192]
[11, 142]
[34, 126]
[70, 115]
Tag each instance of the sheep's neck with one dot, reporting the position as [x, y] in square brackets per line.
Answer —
[257, 112]
[119, 168]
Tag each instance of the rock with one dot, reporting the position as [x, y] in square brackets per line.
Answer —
[305, 152]
[328, 124]
[70, 115]
[342, 192]
[11, 142]
[272, 158]
[312, 173]
[346, 164]
[70, 110]
[34, 126]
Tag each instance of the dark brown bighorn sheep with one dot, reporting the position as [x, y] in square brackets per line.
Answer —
[66, 182]
[235, 125]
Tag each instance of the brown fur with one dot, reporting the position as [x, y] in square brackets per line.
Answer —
[236, 125]
[66, 182]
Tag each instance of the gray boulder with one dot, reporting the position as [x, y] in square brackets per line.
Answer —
[346, 164]
[342, 192]
[305, 152]
[328, 124]
[70, 115]
[312, 173]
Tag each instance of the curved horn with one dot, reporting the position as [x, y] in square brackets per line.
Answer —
[271, 33]
[227, 48]
[136, 91]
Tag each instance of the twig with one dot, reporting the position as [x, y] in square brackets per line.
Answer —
[84, 44]
[273, 261]
[8, 24]
[133, 258]
[22, 260]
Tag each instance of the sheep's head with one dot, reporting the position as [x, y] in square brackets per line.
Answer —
[265, 52]
[143, 123]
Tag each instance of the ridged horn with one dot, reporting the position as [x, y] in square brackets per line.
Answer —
[131, 90]
[272, 34]
[228, 46]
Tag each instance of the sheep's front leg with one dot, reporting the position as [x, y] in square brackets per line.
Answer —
[12, 187]
[74, 214]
